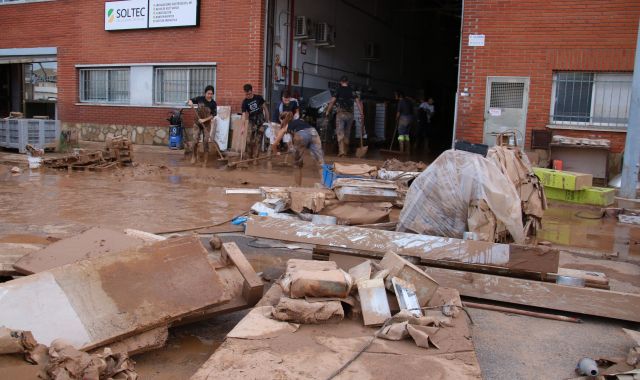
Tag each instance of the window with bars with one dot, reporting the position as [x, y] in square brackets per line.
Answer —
[587, 98]
[102, 85]
[174, 85]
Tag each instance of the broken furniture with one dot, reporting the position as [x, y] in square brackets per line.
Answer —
[582, 155]
[126, 298]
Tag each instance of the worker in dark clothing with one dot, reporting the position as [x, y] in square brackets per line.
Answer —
[305, 137]
[404, 117]
[204, 124]
[345, 98]
[254, 115]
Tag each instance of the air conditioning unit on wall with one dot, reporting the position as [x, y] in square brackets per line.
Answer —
[302, 28]
[325, 35]
[372, 51]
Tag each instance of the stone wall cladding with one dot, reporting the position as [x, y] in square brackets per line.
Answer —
[137, 134]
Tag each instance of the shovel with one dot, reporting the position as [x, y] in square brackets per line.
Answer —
[362, 150]
[393, 138]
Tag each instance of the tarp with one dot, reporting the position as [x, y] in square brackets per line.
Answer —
[439, 199]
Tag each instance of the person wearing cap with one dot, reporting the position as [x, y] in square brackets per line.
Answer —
[305, 137]
[345, 98]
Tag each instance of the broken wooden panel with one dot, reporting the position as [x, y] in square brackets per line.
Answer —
[373, 301]
[399, 267]
[365, 194]
[316, 351]
[137, 344]
[598, 302]
[424, 247]
[10, 253]
[253, 286]
[107, 298]
[89, 244]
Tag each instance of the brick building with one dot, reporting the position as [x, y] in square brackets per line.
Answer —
[572, 60]
[562, 66]
[126, 77]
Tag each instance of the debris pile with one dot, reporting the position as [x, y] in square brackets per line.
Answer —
[118, 152]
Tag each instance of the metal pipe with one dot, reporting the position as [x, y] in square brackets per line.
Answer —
[631, 159]
[455, 108]
[292, 26]
[521, 312]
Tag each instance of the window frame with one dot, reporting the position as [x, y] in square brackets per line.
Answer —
[564, 124]
[189, 68]
[10, 2]
[107, 69]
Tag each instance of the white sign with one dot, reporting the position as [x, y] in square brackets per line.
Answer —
[170, 13]
[130, 14]
[476, 40]
[495, 111]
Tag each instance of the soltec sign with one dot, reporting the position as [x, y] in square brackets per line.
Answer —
[129, 14]
[143, 14]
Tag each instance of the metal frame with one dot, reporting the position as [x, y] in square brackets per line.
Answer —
[525, 101]
[81, 83]
[179, 67]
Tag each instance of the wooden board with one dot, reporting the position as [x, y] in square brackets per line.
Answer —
[10, 253]
[107, 298]
[253, 287]
[373, 301]
[423, 247]
[598, 302]
[91, 243]
[365, 194]
[316, 351]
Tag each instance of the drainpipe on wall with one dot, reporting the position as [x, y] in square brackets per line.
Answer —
[631, 159]
[455, 107]
[292, 26]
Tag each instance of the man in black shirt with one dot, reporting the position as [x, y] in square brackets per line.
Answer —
[205, 119]
[305, 137]
[254, 115]
[345, 98]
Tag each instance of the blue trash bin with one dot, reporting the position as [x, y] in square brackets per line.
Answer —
[175, 137]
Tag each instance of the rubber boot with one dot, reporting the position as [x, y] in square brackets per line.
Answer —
[341, 148]
[297, 176]
[408, 147]
[206, 158]
[401, 144]
[194, 158]
[346, 147]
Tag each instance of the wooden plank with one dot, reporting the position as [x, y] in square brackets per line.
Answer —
[253, 286]
[365, 194]
[365, 182]
[598, 302]
[10, 253]
[93, 302]
[91, 243]
[423, 247]
[373, 301]
[137, 344]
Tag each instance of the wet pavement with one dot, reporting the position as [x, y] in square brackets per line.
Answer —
[164, 193]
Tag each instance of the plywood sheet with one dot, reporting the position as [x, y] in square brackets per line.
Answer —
[110, 297]
[598, 302]
[91, 243]
[316, 351]
[424, 247]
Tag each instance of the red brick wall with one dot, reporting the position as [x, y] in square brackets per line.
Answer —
[531, 38]
[231, 33]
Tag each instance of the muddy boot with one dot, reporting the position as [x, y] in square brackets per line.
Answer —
[206, 159]
[401, 144]
[408, 147]
[194, 157]
[340, 148]
[297, 176]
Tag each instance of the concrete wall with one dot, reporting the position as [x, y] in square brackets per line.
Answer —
[533, 38]
[231, 33]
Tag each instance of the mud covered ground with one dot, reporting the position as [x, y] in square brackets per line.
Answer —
[164, 193]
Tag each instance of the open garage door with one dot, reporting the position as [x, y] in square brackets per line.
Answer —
[382, 46]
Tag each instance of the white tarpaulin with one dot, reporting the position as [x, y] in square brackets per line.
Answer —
[439, 199]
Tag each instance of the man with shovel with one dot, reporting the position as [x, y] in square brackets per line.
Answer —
[305, 137]
[206, 111]
[345, 98]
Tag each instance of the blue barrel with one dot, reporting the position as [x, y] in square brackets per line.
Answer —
[175, 137]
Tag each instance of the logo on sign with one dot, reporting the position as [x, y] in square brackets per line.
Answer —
[110, 15]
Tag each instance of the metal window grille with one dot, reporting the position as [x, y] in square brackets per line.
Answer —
[104, 85]
[174, 85]
[587, 98]
[507, 95]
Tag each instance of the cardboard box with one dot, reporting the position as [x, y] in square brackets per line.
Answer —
[558, 179]
[597, 196]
